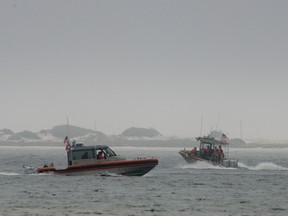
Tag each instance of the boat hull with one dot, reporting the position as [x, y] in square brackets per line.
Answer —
[137, 167]
[190, 158]
[186, 154]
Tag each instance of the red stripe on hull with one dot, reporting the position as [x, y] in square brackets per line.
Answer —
[104, 165]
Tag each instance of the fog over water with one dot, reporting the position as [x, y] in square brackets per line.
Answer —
[165, 64]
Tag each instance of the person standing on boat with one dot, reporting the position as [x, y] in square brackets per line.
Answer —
[206, 152]
[194, 151]
[221, 154]
[215, 154]
[201, 152]
[210, 152]
[73, 143]
[218, 155]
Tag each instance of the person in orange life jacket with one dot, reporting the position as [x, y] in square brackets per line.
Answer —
[206, 152]
[194, 151]
[215, 154]
[221, 154]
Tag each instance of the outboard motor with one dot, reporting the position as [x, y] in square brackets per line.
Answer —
[230, 163]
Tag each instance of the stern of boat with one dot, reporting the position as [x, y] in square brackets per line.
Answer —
[229, 163]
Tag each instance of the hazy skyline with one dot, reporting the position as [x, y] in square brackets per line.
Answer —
[160, 64]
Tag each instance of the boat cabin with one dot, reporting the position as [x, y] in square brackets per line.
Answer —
[208, 146]
[80, 154]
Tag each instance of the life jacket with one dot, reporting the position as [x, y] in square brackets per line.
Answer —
[193, 151]
[221, 153]
[99, 156]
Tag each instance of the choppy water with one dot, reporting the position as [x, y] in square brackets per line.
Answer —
[174, 187]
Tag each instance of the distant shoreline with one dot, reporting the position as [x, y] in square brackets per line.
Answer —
[150, 144]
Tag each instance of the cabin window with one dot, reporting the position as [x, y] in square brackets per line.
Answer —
[83, 154]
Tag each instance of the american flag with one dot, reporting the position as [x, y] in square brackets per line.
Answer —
[66, 141]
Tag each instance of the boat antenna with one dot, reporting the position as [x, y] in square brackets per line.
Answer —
[201, 125]
[241, 135]
[68, 129]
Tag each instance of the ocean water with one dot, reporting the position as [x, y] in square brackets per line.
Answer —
[258, 187]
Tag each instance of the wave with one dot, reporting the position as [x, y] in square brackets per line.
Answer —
[8, 173]
[108, 174]
[263, 166]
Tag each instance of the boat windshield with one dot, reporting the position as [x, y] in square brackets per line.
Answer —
[109, 151]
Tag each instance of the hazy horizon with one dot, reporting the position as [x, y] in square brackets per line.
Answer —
[162, 64]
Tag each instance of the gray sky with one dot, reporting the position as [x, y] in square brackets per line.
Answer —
[160, 64]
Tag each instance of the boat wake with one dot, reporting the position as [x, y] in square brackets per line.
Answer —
[8, 173]
[263, 166]
[202, 165]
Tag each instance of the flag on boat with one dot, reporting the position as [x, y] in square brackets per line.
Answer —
[224, 139]
[67, 143]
